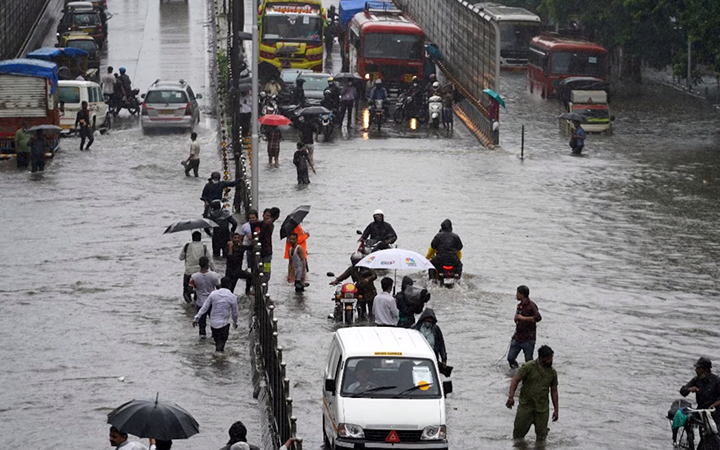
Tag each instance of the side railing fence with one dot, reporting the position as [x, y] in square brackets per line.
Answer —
[470, 47]
[17, 19]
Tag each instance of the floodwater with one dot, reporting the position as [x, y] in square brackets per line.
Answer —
[619, 249]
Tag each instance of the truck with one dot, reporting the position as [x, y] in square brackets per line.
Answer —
[588, 97]
[28, 95]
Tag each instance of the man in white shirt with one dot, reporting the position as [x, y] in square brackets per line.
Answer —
[193, 161]
[222, 306]
[384, 309]
[119, 440]
[107, 82]
[191, 254]
[204, 282]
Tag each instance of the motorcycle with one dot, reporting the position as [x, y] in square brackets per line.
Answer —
[326, 125]
[435, 110]
[407, 109]
[377, 113]
[346, 297]
[447, 274]
[368, 246]
[131, 103]
[292, 112]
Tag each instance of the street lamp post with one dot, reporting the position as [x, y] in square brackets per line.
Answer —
[255, 91]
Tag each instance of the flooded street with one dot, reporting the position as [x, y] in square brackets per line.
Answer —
[620, 249]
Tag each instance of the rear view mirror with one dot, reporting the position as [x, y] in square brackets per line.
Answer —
[142, 95]
[447, 387]
[330, 386]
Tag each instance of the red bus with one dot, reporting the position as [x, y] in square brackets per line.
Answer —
[383, 43]
[553, 58]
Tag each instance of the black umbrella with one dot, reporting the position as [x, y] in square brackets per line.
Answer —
[574, 117]
[193, 224]
[347, 76]
[154, 419]
[314, 111]
[293, 219]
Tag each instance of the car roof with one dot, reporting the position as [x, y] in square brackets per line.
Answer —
[169, 84]
[77, 83]
[383, 341]
[314, 75]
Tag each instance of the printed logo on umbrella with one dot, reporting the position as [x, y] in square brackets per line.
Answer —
[410, 262]
[387, 263]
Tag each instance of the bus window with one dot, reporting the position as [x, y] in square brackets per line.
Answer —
[303, 28]
[579, 64]
[392, 46]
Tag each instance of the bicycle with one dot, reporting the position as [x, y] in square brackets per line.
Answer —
[703, 420]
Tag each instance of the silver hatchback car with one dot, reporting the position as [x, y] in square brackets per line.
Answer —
[170, 104]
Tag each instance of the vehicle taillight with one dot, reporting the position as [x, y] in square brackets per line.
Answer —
[188, 109]
[448, 267]
[267, 55]
[144, 109]
[72, 28]
[100, 28]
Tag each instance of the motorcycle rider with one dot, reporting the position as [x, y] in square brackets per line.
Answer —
[430, 88]
[334, 93]
[378, 92]
[364, 279]
[299, 92]
[379, 230]
[126, 83]
[327, 101]
[415, 92]
[445, 248]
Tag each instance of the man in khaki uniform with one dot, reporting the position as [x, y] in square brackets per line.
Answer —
[538, 377]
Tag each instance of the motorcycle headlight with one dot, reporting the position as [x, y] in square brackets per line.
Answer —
[350, 430]
[433, 432]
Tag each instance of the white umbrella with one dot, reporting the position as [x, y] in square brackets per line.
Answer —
[396, 259]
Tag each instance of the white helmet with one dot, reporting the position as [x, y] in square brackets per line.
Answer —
[378, 212]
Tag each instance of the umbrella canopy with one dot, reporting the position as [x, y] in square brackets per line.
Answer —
[193, 224]
[293, 219]
[154, 419]
[274, 120]
[314, 111]
[396, 258]
[46, 129]
[347, 76]
[574, 117]
[495, 95]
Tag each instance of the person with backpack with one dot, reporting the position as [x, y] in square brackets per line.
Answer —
[191, 254]
[406, 310]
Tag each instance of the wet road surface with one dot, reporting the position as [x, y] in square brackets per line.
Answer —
[619, 249]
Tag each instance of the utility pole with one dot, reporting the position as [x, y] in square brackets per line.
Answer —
[254, 138]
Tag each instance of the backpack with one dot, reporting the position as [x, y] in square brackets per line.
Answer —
[416, 297]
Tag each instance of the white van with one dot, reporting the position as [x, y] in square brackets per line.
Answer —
[382, 389]
[71, 94]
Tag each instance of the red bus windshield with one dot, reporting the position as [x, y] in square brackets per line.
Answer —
[392, 46]
[578, 64]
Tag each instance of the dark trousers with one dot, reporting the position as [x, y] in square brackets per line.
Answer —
[23, 160]
[202, 321]
[303, 176]
[528, 347]
[235, 276]
[187, 293]
[38, 163]
[347, 107]
[245, 123]
[220, 336]
[193, 165]
[86, 133]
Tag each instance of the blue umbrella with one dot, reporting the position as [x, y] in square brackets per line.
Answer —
[495, 95]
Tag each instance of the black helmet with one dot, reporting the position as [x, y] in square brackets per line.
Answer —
[215, 176]
[356, 257]
[704, 363]
[215, 205]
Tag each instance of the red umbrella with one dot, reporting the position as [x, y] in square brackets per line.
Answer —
[274, 120]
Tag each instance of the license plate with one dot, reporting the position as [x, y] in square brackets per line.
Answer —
[5, 144]
[449, 280]
[349, 307]
[167, 112]
[87, 30]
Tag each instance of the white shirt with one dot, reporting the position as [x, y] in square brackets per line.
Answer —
[107, 82]
[205, 284]
[245, 104]
[247, 233]
[191, 254]
[194, 150]
[385, 309]
[133, 445]
[224, 307]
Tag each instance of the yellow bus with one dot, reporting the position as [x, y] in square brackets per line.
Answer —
[291, 34]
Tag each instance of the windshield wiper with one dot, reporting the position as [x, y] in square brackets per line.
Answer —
[375, 389]
[414, 388]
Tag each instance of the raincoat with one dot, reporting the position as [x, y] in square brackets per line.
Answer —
[302, 240]
[406, 310]
[438, 342]
[446, 245]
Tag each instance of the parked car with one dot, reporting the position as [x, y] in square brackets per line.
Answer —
[170, 104]
[71, 94]
[85, 42]
[288, 76]
[85, 20]
[315, 85]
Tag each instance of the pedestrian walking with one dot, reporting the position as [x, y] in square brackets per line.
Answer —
[213, 190]
[384, 308]
[203, 282]
[307, 136]
[265, 230]
[22, 146]
[238, 434]
[538, 378]
[38, 147]
[191, 254]
[527, 316]
[406, 309]
[301, 241]
[447, 102]
[347, 95]
[84, 127]
[577, 141]
[245, 113]
[247, 242]
[301, 159]
[226, 227]
[297, 264]
[233, 265]
[222, 307]
[119, 440]
[428, 327]
[274, 136]
[193, 160]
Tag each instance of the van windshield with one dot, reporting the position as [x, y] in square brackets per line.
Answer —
[69, 94]
[382, 377]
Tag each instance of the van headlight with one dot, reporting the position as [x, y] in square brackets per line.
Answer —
[350, 430]
[433, 432]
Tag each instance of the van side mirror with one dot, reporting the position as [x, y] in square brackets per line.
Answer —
[330, 385]
[142, 95]
[447, 387]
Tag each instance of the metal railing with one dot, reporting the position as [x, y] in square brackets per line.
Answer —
[266, 327]
[470, 46]
[17, 20]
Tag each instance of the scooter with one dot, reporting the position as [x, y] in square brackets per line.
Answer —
[435, 110]
[326, 125]
[346, 297]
